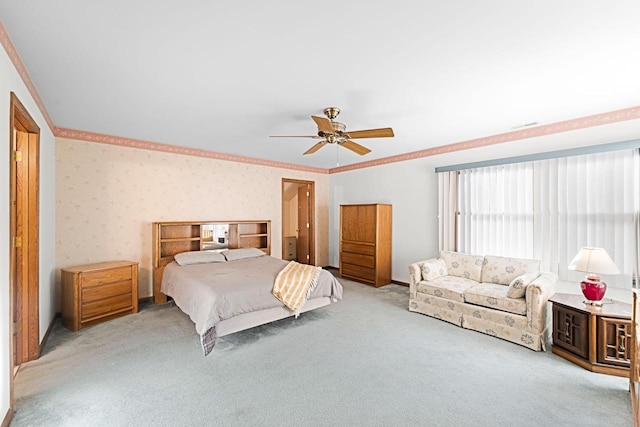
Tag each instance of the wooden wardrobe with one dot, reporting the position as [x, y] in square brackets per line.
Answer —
[365, 243]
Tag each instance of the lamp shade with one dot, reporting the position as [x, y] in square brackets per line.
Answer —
[593, 260]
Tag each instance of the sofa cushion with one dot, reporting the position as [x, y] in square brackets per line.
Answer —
[493, 295]
[433, 268]
[518, 286]
[502, 270]
[447, 287]
[463, 265]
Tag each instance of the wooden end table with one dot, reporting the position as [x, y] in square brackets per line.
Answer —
[596, 338]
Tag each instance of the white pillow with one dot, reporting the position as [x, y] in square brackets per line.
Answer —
[198, 257]
[242, 253]
[433, 268]
[518, 286]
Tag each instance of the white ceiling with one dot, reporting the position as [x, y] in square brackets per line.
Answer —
[223, 76]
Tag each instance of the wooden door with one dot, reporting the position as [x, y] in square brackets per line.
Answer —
[24, 228]
[20, 294]
[303, 224]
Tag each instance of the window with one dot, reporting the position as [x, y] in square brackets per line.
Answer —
[496, 210]
[549, 209]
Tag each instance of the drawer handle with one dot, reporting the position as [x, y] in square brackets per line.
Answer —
[566, 329]
[623, 340]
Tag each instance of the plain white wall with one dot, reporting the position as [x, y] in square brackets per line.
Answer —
[410, 187]
[10, 81]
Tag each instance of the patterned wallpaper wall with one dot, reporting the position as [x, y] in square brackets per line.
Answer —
[107, 196]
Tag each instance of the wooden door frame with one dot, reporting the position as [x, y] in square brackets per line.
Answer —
[312, 217]
[21, 120]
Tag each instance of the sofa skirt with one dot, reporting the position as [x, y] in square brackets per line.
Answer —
[440, 308]
[508, 326]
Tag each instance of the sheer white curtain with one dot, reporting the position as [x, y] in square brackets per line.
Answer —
[496, 210]
[549, 209]
[588, 200]
[447, 210]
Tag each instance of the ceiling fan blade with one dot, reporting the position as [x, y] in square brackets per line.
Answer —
[371, 133]
[294, 136]
[324, 125]
[356, 148]
[315, 148]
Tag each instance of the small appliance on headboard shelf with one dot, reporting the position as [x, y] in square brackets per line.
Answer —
[170, 238]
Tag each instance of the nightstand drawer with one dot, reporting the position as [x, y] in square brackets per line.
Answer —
[106, 276]
[106, 306]
[94, 293]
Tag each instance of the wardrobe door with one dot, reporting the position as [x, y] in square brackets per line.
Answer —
[367, 223]
[349, 221]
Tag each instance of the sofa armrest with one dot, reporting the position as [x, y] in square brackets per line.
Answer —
[538, 293]
[415, 275]
[435, 267]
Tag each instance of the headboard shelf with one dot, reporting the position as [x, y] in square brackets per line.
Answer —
[180, 239]
[170, 238]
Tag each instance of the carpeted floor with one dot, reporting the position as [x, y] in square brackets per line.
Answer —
[364, 361]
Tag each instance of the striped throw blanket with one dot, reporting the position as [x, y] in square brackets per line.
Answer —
[294, 283]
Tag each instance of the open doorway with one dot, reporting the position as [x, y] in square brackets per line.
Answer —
[24, 176]
[298, 221]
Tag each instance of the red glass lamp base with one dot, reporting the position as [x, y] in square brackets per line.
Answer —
[593, 289]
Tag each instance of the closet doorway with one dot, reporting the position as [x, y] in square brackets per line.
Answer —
[298, 221]
[24, 260]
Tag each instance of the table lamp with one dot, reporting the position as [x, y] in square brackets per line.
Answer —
[593, 261]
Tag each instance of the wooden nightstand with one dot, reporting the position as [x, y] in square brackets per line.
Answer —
[596, 338]
[96, 293]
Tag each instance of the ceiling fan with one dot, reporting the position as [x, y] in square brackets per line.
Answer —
[332, 132]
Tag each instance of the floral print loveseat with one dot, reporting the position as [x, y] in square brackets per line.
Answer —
[500, 296]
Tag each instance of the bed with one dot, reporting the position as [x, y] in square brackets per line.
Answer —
[231, 290]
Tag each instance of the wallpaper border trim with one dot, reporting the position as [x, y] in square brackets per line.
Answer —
[174, 149]
[14, 57]
[632, 113]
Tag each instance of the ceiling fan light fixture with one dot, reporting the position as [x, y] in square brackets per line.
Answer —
[338, 127]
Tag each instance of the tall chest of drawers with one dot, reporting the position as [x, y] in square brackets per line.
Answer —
[365, 243]
[95, 293]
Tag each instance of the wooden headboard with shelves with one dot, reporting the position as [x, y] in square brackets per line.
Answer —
[170, 238]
